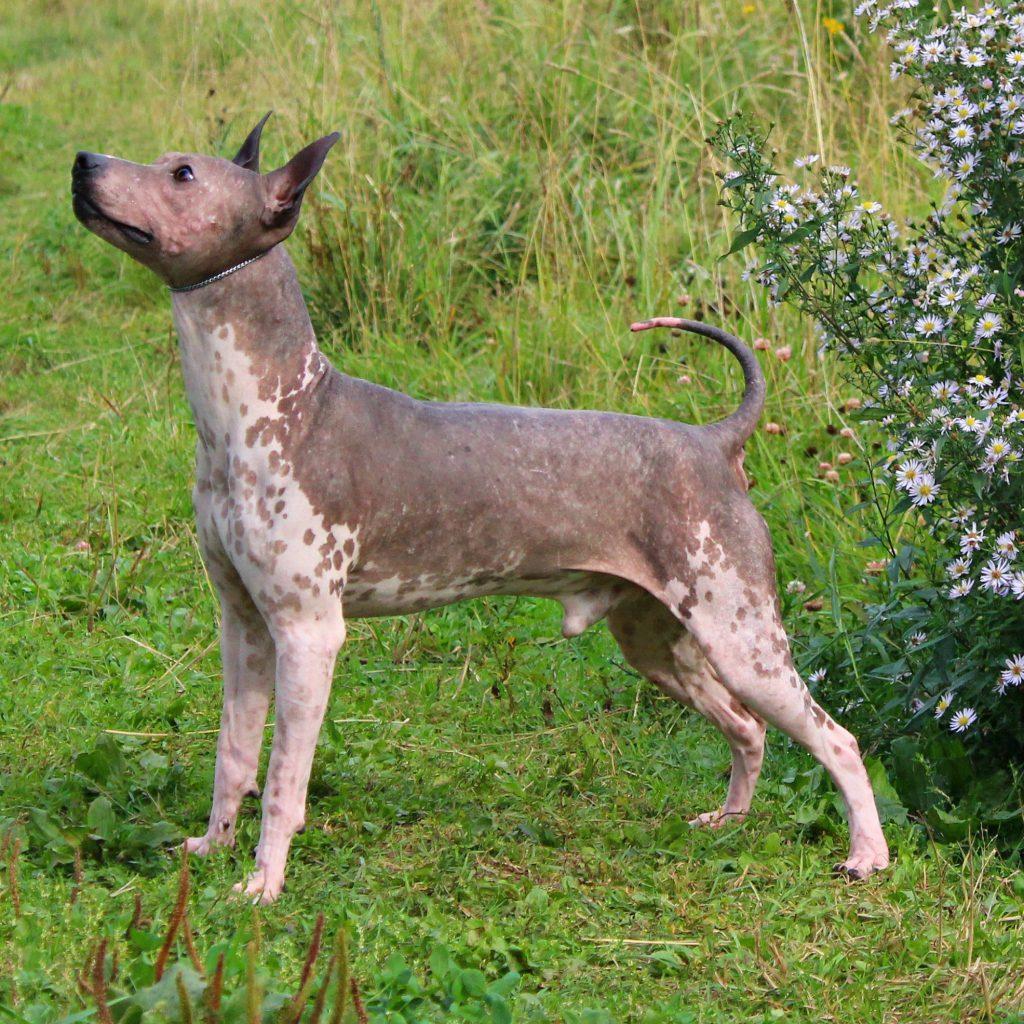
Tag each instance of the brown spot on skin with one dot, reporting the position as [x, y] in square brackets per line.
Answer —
[279, 506]
[308, 537]
[349, 546]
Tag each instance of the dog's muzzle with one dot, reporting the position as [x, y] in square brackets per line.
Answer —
[84, 170]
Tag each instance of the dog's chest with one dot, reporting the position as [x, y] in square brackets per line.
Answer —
[247, 498]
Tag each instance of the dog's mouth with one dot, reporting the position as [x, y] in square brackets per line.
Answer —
[86, 209]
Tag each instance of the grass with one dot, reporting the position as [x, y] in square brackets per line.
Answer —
[514, 184]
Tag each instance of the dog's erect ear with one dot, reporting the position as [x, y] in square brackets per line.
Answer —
[286, 185]
[249, 155]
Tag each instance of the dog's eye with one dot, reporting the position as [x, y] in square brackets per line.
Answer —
[184, 173]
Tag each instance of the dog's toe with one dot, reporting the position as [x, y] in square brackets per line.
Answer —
[857, 869]
[200, 846]
[707, 819]
[716, 819]
[260, 888]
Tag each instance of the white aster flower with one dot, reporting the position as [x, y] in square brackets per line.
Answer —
[958, 567]
[987, 325]
[1013, 674]
[995, 576]
[924, 490]
[929, 324]
[1006, 544]
[971, 539]
[963, 719]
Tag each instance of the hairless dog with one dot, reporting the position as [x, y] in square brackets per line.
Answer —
[320, 497]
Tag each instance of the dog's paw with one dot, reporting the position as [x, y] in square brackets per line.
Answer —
[859, 866]
[716, 819]
[260, 888]
[202, 846]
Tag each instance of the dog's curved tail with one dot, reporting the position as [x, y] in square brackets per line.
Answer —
[738, 426]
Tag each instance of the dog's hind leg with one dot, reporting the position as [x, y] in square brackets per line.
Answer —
[656, 645]
[726, 596]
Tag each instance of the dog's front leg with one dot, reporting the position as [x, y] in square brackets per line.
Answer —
[247, 657]
[306, 652]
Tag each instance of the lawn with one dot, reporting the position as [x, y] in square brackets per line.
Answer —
[515, 182]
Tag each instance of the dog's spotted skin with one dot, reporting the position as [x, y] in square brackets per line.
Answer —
[320, 498]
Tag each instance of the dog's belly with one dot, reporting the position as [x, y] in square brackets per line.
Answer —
[586, 596]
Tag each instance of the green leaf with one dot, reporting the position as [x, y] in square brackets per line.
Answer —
[742, 240]
[887, 800]
[101, 818]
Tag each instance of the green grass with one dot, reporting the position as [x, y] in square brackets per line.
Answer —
[514, 184]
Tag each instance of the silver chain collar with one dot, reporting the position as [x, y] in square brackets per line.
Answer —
[218, 277]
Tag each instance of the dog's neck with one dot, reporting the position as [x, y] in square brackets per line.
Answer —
[248, 348]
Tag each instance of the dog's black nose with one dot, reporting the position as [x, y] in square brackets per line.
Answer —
[85, 163]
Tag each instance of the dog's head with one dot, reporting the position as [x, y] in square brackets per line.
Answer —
[188, 216]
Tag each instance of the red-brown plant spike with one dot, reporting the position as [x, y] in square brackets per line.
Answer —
[341, 990]
[293, 1013]
[136, 921]
[12, 876]
[211, 997]
[99, 983]
[77, 887]
[357, 1003]
[314, 949]
[176, 917]
[190, 945]
[321, 995]
[184, 1002]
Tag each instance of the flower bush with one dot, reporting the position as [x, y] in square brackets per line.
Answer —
[927, 318]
